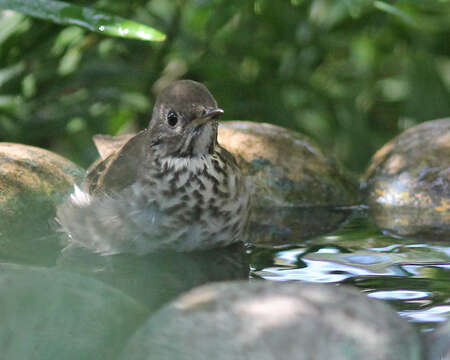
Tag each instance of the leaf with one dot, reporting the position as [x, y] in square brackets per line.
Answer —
[93, 20]
[9, 24]
[394, 10]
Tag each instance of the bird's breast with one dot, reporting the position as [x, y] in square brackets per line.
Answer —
[195, 181]
[205, 193]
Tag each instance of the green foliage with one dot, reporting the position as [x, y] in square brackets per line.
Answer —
[64, 13]
[351, 74]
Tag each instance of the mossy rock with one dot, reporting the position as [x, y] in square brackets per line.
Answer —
[289, 174]
[32, 182]
[32, 169]
[407, 184]
[285, 167]
[274, 320]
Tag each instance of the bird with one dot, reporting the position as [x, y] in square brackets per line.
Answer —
[171, 186]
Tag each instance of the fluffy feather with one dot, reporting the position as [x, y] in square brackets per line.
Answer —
[104, 224]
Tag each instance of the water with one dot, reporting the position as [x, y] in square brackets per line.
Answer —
[96, 302]
[411, 275]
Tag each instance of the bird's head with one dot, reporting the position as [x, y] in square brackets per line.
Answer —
[184, 120]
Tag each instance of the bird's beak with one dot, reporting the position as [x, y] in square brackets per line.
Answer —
[208, 115]
[211, 113]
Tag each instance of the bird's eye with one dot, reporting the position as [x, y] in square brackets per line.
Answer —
[172, 118]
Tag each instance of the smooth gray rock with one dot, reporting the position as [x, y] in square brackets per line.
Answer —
[438, 345]
[265, 320]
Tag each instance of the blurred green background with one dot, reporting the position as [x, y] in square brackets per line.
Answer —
[351, 74]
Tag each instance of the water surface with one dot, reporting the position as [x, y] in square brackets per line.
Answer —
[97, 302]
[411, 275]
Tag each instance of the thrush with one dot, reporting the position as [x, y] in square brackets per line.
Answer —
[171, 186]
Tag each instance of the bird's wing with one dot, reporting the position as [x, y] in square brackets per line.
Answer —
[119, 169]
[107, 145]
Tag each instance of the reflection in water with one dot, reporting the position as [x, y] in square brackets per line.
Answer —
[157, 278]
[292, 224]
[313, 271]
[434, 314]
[412, 276]
[399, 295]
[424, 222]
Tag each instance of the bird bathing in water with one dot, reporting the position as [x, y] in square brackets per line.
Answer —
[171, 186]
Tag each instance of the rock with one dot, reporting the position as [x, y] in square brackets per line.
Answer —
[48, 314]
[274, 320]
[438, 344]
[407, 184]
[296, 186]
[285, 167]
[31, 169]
[32, 182]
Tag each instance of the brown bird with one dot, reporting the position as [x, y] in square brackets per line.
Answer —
[171, 186]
